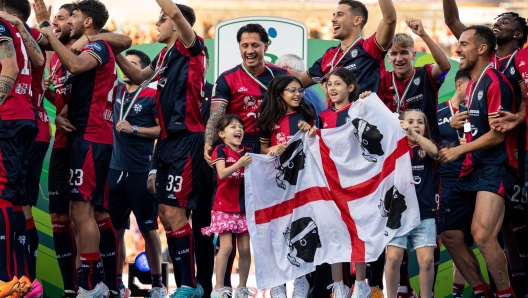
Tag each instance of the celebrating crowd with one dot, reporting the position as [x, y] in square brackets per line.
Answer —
[467, 154]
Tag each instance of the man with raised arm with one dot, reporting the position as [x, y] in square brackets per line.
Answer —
[179, 69]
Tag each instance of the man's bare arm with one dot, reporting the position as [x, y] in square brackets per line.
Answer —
[185, 31]
[452, 19]
[134, 73]
[387, 25]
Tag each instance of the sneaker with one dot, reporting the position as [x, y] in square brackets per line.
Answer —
[403, 292]
[9, 287]
[98, 292]
[339, 290]
[124, 292]
[69, 294]
[243, 292]
[361, 290]
[278, 292]
[224, 292]
[155, 292]
[300, 287]
[377, 292]
[37, 291]
[188, 292]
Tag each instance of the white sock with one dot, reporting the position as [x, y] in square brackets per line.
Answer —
[403, 289]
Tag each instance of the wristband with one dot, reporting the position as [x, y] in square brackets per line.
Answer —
[152, 172]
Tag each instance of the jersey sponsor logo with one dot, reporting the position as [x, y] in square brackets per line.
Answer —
[21, 88]
[230, 159]
[444, 120]
[137, 108]
[480, 94]
[351, 66]
[417, 81]
[354, 53]
[474, 113]
[415, 98]
[418, 168]
[242, 89]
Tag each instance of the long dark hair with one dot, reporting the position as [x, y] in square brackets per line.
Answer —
[222, 123]
[273, 106]
[349, 78]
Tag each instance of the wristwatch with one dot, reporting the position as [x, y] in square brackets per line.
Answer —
[44, 24]
[135, 130]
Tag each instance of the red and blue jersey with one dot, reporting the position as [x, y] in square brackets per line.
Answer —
[521, 63]
[134, 153]
[229, 193]
[422, 95]
[332, 118]
[18, 104]
[284, 129]
[493, 94]
[364, 59]
[37, 95]
[180, 86]
[426, 181]
[62, 83]
[92, 95]
[449, 171]
[243, 94]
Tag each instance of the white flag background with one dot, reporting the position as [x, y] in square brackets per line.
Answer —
[340, 196]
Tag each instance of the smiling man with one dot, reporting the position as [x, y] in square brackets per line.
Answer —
[476, 205]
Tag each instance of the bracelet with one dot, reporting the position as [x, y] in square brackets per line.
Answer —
[89, 41]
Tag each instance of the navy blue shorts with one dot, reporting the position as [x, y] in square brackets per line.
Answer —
[179, 168]
[88, 166]
[15, 139]
[58, 181]
[444, 200]
[37, 153]
[128, 192]
[461, 205]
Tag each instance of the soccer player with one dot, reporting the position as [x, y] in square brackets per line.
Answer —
[179, 70]
[476, 204]
[449, 172]
[135, 128]
[364, 57]
[17, 13]
[89, 111]
[17, 130]
[409, 87]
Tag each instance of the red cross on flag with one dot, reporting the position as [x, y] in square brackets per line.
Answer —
[338, 197]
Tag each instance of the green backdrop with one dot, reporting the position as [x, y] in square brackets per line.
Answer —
[47, 267]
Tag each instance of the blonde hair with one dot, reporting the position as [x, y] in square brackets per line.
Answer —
[403, 40]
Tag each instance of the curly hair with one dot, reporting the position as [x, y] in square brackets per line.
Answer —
[94, 9]
[253, 28]
[20, 7]
[523, 27]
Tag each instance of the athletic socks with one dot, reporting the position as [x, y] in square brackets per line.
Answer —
[404, 271]
[157, 281]
[79, 276]
[521, 234]
[458, 290]
[508, 293]
[90, 270]
[483, 291]
[173, 252]
[20, 242]
[184, 241]
[230, 262]
[7, 230]
[66, 251]
[120, 279]
[108, 248]
[518, 282]
[32, 247]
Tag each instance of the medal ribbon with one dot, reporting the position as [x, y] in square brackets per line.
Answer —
[262, 85]
[399, 101]
[344, 53]
[474, 88]
[507, 64]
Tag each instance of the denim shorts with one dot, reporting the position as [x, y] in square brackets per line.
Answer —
[423, 235]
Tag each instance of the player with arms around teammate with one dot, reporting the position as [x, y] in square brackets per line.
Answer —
[362, 56]
[90, 142]
[135, 128]
[476, 205]
[179, 70]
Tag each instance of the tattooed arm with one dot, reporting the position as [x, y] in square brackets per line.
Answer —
[33, 50]
[218, 109]
[9, 71]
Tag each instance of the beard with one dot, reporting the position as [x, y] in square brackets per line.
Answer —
[64, 37]
[468, 65]
[77, 32]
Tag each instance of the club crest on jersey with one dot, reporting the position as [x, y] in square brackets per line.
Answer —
[138, 108]
[302, 238]
[289, 164]
[2, 29]
[354, 53]
[369, 137]
[512, 70]
[250, 102]
[480, 94]
[392, 206]
[417, 81]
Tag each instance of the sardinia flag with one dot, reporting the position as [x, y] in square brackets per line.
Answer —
[338, 197]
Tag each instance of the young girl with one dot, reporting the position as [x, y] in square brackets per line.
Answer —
[342, 89]
[423, 238]
[227, 217]
[281, 115]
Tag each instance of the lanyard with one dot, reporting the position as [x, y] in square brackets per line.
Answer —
[344, 53]
[255, 78]
[507, 64]
[474, 88]
[143, 85]
[399, 100]
[55, 69]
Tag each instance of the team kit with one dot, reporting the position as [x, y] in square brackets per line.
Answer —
[171, 147]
